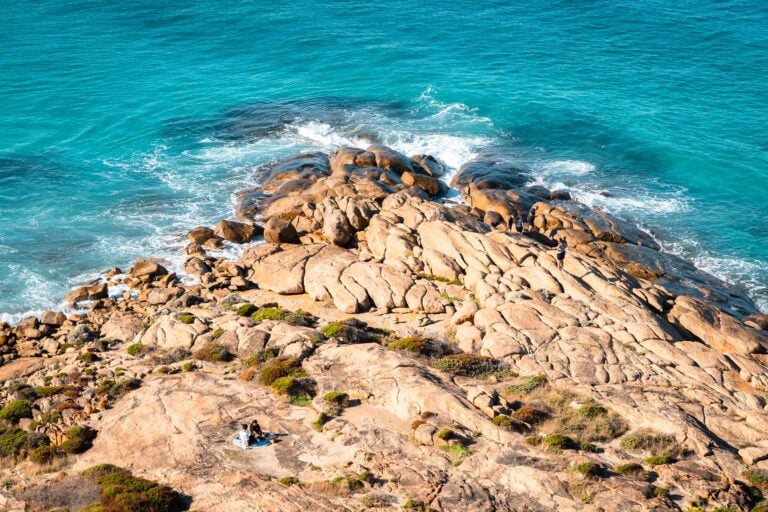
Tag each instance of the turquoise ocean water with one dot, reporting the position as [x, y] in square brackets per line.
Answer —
[123, 124]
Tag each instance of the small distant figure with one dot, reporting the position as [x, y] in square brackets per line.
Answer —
[244, 437]
[561, 253]
[530, 219]
[519, 224]
[255, 434]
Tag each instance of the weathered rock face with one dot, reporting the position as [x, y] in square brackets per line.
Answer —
[622, 338]
[716, 328]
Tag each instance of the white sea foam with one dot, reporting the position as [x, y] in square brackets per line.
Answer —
[559, 167]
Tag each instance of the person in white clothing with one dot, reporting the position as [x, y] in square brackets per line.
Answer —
[243, 436]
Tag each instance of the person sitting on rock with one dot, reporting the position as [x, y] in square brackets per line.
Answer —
[561, 253]
[254, 431]
[243, 437]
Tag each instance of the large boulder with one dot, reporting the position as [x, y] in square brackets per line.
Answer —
[83, 293]
[280, 231]
[489, 173]
[337, 229]
[426, 183]
[237, 232]
[391, 160]
[122, 326]
[306, 166]
[147, 269]
[716, 328]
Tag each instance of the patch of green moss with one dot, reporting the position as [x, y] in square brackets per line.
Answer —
[189, 366]
[217, 333]
[16, 410]
[440, 279]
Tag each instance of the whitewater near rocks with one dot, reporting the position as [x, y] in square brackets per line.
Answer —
[410, 353]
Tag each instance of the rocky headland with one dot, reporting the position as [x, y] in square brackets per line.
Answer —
[411, 353]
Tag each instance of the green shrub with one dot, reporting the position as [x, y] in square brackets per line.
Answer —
[411, 504]
[116, 389]
[458, 453]
[468, 365]
[260, 357]
[186, 318]
[529, 384]
[79, 439]
[530, 414]
[43, 454]
[758, 478]
[375, 500]
[332, 329]
[271, 313]
[629, 468]
[660, 492]
[88, 357]
[320, 421]
[280, 367]
[246, 309]
[217, 333]
[135, 349]
[588, 469]
[120, 491]
[534, 440]
[659, 460]
[503, 421]
[287, 386]
[445, 280]
[649, 441]
[300, 400]
[16, 410]
[557, 442]
[46, 391]
[446, 434]
[589, 447]
[15, 441]
[213, 352]
[346, 484]
[760, 507]
[415, 344]
[592, 410]
[337, 398]
[189, 366]
[289, 481]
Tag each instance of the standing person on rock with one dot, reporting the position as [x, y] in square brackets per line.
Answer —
[561, 253]
[519, 224]
[530, 219]
[243, 437]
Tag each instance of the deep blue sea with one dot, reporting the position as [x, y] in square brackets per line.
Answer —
[124, 124]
